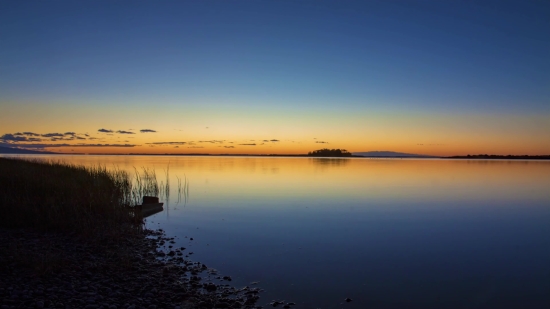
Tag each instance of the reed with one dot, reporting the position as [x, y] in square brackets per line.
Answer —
[183, 188]
[54, 195]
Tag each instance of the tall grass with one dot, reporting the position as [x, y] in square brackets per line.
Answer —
[59, 196]
[145, 183]
[183, 188]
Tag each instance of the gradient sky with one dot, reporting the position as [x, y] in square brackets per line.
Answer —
[428, 77]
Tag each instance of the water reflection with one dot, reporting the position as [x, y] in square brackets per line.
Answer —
[334, 162]
[386, 233]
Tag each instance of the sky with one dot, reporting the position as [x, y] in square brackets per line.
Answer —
[276, 77]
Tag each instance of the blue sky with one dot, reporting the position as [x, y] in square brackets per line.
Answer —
[418, 57]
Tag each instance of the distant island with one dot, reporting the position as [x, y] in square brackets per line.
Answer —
[390, 154]
[325, 152]
[506, 157]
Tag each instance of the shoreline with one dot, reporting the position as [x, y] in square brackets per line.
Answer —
[475, 157]
[53, 270]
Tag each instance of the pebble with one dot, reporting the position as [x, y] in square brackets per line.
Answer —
[122, 273]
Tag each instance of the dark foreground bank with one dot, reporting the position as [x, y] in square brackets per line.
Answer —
[44, 270]
[103, 258]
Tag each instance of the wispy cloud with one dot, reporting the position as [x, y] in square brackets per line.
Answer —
[124, 132]
[321, 142]
[274, 140]
[248, 144]
[167, 143]
[27, 133]
[105, 131]
[12, 138]
[69, 133]
[74, 145]
[430, 144]
[212, 141]
[147, 131]
[52, 135]
[229, 146]
[55, 139]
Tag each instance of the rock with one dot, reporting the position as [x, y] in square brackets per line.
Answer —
[111, 275]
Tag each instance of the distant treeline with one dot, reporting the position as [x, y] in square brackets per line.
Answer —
[507, 157]
[325, 152]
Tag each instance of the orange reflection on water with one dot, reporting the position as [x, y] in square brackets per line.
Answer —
[357, 179]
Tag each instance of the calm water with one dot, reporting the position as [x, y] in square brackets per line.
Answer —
[388, 233]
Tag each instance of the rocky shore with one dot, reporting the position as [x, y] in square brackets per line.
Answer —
[42, 270]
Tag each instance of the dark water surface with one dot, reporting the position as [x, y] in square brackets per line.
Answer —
[388, 233]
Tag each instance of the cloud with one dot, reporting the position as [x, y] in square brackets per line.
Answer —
[229, 146]
[78, 137]
[176, 146]
[274, 140]
[52, 135]
[74, 145]
[27, 134]
[124, 132]
[265, 141]
[247, 144]
[147, 131]
[13, 138]
[321, 142]
[167, 143]
[195, 147]
[212, 141]
[105, 131]
[69, 133]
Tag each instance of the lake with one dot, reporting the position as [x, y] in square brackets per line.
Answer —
[387, 233]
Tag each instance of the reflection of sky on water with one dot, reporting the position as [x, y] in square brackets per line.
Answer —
[387, 233]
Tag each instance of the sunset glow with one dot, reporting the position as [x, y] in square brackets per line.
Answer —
[275, 77]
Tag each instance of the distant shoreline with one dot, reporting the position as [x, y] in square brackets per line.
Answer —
[475, 157]
[499, 157]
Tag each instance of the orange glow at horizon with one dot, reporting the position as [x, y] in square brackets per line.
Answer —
[226, 131]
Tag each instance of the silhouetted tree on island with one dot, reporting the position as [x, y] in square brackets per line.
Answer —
[325, 152]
